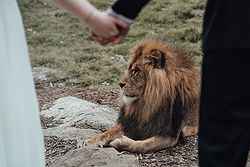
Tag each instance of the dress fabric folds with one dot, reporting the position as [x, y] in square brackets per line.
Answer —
[21, 139]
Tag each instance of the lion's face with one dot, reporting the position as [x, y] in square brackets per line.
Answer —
[133, 83]
[145, 62]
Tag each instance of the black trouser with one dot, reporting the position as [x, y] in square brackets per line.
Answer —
[224, 134]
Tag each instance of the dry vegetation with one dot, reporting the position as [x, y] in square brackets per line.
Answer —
[57, 40]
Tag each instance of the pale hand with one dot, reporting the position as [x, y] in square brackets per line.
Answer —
[114, 38]
[102, 24]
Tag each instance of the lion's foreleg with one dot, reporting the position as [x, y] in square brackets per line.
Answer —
[151, 144]
[107, 136]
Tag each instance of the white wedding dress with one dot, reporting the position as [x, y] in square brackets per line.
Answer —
[21, 140]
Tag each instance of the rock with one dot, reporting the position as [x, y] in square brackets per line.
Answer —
[41, 73]
[92, 156]
[74, 112]
[70, 133]
[74, 120]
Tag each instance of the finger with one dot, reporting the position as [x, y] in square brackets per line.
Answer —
[96, 37]
[93, 36]
[109, 33]
[103, 41]
[120, 23]
[117, 40]
[123, 32]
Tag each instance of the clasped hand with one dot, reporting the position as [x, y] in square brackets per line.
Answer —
[107, 29]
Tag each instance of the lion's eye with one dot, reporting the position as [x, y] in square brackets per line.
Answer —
[132, 73]
[147, 61]
[135, 70]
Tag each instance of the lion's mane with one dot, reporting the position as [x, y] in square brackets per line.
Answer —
[170, 94]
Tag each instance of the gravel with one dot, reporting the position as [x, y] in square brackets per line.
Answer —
[57, 147]
[184, 154]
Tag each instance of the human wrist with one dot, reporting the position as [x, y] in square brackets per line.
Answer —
[89, 16]
[126, 20]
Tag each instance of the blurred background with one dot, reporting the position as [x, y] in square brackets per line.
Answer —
[60, 45]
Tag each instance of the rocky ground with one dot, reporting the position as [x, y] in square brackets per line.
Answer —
[66, 122]
[66, 126]
[65, 130]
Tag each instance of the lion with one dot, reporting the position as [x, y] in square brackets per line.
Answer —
[160, 100]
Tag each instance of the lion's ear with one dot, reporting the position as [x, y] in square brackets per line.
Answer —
[157, 58]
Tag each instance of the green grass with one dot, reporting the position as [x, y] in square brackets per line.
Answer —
[57, 40]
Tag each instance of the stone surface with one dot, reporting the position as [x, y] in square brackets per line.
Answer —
[93, 157]
[74, 112]
[41, 73]
[75, 120]
[70, 133]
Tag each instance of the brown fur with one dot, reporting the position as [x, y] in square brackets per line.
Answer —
[157, 76]
[180, 75]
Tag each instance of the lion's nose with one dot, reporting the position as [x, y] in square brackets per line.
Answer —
[122, 84]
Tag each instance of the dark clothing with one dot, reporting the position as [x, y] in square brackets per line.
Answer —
[129, 8]
[226, 24]
[224, 134]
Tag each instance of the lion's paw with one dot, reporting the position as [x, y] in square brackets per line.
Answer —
[122, 143]
[96, 141]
